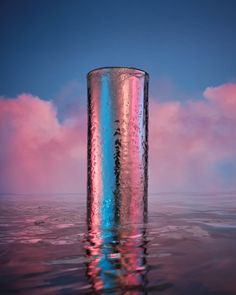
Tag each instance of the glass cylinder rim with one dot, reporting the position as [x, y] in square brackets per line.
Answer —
[116, 67]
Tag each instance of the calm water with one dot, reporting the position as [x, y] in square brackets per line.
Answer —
[188, 246]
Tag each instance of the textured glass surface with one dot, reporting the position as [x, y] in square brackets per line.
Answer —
[117, 147]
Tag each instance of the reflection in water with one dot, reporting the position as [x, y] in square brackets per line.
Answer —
[191, 248]
[117, 259]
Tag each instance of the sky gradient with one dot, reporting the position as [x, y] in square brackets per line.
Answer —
[188, 48]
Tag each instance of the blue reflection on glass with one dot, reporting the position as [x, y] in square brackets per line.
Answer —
[107, 207]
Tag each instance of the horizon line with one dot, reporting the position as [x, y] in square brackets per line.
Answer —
[151, 193]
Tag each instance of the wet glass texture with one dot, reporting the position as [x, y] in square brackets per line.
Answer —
[117, 147]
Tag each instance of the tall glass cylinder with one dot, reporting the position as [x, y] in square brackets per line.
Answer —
[117, 147]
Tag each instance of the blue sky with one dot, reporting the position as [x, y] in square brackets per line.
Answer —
[47, 44]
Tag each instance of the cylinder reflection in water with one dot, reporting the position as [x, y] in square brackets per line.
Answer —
[116, 260]
[117, 146]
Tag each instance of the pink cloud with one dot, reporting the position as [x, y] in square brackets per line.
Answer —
[189, 144]
[38, 153]
[190, 141]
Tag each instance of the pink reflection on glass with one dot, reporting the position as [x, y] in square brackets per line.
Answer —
[117, 145]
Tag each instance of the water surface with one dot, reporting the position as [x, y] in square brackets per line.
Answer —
[188, 246]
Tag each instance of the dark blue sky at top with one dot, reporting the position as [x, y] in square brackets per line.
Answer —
[47, 44]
